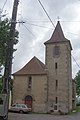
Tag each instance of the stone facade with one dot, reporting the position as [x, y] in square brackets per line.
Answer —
[59, 70]
[73, 94]
[38, 91]
[49, 85]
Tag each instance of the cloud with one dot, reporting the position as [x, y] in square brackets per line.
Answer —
[31, 12]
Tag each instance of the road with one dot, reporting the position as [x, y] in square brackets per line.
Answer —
[16, 116]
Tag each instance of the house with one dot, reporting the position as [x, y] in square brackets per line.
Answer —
[47, 87]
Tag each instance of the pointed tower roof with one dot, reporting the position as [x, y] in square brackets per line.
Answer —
[57, 35]
[33, 67]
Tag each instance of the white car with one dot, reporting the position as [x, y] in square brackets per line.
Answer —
[21, 108]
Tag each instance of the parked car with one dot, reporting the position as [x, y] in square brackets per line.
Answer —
[21, 108]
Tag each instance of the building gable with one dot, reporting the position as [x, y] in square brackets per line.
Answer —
[33, 67]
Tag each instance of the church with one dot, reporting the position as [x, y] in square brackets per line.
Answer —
[48, 87]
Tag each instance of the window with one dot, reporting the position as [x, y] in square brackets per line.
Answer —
[56, 84]
[14, 105]
[1, 101]
[29, 82]
[56, 65]
[56, 51]
[23, 106]
[18, 105]
[55, 107]
[56, 101]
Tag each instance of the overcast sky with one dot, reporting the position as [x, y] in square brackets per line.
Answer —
[38, 29]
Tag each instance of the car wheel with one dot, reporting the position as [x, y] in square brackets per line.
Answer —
[5, 117]
[21, 111]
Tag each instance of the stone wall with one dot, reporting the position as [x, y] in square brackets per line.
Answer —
[38, 91]
[62, 74]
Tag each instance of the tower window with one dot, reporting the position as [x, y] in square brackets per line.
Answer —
[56, 84]
[56, 66]
[56, 51]
[55, 107]
[56, 101]
[29, 82]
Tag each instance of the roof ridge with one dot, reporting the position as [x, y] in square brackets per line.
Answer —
[41, 63]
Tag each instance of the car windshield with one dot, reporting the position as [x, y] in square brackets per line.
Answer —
[18, 105]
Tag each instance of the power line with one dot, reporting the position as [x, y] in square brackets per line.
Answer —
[29, 30]
[20, 12]
[4, 5]
[46, 12]
[47, 15]
[38, 25]
[75, 61]
[70, 21]
[38, 21]
[54, 26]
[24, 22]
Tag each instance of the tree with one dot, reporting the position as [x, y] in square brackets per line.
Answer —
[0, 84]
[4, 36]
[77, 78]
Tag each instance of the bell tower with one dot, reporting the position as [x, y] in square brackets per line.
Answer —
[58, 63]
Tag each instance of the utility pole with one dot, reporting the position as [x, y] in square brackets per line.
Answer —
[9, 56]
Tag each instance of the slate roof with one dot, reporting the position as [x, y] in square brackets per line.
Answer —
[33, 67]
[57, 36]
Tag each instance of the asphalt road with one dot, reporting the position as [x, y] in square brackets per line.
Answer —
[16, 116]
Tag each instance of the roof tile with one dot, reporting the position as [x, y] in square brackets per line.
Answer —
[57, 35]
[33, 67]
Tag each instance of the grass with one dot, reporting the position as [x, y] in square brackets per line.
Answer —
[75, 111]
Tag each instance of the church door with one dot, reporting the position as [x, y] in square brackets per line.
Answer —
[29, 100]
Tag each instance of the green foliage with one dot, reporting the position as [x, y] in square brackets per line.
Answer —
[4, 36]
[0, 85]
[77, 110]
[77, 78]
[78, 104]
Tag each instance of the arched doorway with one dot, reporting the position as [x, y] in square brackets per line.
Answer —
[29, 100]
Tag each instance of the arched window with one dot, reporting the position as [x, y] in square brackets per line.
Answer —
[28, 98]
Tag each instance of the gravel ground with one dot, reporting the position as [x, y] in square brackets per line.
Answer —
[16, 116]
